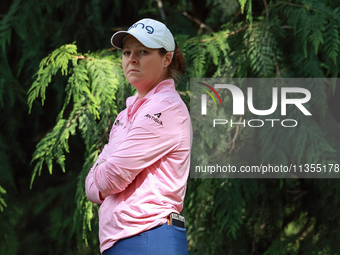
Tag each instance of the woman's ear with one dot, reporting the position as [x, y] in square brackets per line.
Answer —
[168, 58]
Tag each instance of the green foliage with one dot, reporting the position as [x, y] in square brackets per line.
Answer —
[49, 66]
[264, 40]
[94, 81]
[2, 201]
[73, 99]
[247, 5]
[265, 216]
[92, 86]
[5, 176]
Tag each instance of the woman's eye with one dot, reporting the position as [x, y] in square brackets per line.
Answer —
[144, 52]
[126, 53]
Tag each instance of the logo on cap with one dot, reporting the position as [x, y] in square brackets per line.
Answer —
[149, 29]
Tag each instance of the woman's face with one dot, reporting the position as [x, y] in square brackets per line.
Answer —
[143, 67]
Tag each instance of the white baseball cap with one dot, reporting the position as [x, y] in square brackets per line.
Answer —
[151, 33]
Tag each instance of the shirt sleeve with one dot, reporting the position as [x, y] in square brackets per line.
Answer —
[154, 132]
[91, 189]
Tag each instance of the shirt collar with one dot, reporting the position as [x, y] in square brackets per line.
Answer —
[166, 85]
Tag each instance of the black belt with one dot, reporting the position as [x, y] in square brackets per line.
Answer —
[176, 220]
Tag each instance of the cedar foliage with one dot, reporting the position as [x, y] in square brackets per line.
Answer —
[73, 99]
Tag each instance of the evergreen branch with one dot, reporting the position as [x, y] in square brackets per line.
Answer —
[243, 5]
[200, 23]
[75, 116]
[288, 27]
[198, 55]
[261, 46]
[300, 195]
[266, 7]
[49, 66]
[54, 145]
[295, 5]
[92, 85]
[237, 31]
[235, 136]
[227, 35]
[277, 70]
[304, 230]
[105, 134]
[332, 40]
[161, 10]
[2, 201]
[80, 57]
[6, 24]
[84, 212]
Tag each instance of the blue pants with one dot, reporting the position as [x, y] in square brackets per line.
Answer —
[161, 240]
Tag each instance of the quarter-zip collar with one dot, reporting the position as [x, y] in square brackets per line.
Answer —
[133, 102]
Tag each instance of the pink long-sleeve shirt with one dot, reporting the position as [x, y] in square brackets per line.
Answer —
[144, 167]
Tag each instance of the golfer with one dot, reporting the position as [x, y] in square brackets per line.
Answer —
[140, 177]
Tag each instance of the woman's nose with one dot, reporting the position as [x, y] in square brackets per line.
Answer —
[133, 57]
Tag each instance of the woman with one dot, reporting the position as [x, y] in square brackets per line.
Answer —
[140, 176]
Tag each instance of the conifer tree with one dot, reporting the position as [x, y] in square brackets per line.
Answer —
[78, 88]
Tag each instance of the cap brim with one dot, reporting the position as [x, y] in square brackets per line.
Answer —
[117, 40]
